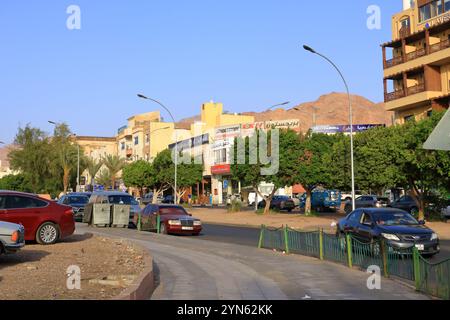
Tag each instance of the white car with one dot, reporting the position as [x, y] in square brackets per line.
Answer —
[11, 237]
[446, 212]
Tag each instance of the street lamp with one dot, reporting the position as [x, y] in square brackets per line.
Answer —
[176, 141]
[307, 48]
[78, 157]
[278, 105]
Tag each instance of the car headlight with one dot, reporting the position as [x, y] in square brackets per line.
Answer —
[434, 236]
[389, 236]
[175, 222]
[197, 223]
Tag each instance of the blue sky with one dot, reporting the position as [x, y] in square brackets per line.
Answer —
[246, 54]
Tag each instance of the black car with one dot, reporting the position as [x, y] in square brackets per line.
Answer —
[406, 203]
[399, 228]
[279, 203]
[78, 202]
[367, 202]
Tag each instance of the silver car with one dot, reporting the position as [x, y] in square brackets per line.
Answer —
[12, 237]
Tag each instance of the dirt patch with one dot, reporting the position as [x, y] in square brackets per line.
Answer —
[251, 219]
[37, 272]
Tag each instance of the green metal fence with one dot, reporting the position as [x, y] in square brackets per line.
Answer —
[334, 249]
[305, 243]
[433, 279]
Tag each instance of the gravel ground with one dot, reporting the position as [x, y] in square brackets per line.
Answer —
[39, 272]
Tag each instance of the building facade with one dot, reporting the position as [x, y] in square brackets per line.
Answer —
[417, 61]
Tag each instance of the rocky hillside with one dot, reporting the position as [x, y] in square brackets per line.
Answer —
[330, 109]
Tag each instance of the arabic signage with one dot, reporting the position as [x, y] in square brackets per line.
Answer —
[345, 128]
[192, 142]
[249, 129]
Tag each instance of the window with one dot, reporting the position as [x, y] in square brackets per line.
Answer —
[446, 5]
[429, 113]
[220, 156]
[122, 146]
[136, 140]
[355, 216]
[425, 12]
[433, 9]
[147, 138]
[2, 202]
[366, 220]
[18, 202]
[409, 118]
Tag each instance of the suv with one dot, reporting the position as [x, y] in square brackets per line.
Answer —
[406, 203]
[77, 201]
[367, 202]
[116, 197]
[280, 203]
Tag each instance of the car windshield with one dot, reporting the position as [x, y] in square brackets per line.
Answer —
[172, 211]
[78, 199]
[129, 200]
[395, 219]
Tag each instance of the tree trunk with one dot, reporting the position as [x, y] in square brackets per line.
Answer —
[418, 198]
[66, 177]
[155, 195]
[269, 201]
[308, 203]
[113, 182]
[256, 199]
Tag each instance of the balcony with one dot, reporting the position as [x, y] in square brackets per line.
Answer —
[416, 89]
[440, 46]
[394, 95]
[393, 62]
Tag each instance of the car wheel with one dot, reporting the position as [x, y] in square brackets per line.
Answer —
[163, 229]
[47, 234]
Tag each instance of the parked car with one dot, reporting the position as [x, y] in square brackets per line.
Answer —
[78, 202]
[12, 237]
[45, 221]
[347, 195]
[446, 211]
[169, 199]
[147, 199]
[279, 203]
[406, 203]
[399, 228]
[116, 197]
[322, 200]
[173, 220]
[367, 202]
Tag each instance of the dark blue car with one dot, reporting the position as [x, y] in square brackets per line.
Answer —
[398, 228]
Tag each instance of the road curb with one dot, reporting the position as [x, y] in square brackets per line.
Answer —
[143, 287]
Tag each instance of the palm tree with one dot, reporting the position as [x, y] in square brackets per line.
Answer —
[93, 167]
[104, 178]
[114, 164]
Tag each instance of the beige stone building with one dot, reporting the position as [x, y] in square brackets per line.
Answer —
[417, 60]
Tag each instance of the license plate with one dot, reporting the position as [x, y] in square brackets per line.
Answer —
[420, 247]
[187, 228]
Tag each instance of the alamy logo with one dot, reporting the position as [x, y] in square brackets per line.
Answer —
[73, 278]
[374, 19]
[374, 281]
[74, 20]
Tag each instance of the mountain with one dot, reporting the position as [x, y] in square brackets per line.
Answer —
[330, 109]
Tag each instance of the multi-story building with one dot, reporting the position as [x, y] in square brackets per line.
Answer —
[417, 61]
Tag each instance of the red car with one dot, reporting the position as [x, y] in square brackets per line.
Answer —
[173, 220]
[45, 221]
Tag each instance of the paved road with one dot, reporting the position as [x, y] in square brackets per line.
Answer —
[250, 236]
[198, 269]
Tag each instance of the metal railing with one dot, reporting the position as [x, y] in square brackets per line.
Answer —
[408, 264]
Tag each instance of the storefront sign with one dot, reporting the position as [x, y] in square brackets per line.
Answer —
[345, 128]
[293, 124]
[222, 169]
[229, 132]
[437, 21]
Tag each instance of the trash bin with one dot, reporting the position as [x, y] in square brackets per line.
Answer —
[120, 216]
[101, 215]
[87, 217]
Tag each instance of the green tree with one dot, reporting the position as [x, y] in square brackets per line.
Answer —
[104, 178]
[33, 159]
[188, 174]
[313, 163]
[138, 174]
[93, 167]
[17, 182]
[114, 164]
[251, 173]
[423, 170]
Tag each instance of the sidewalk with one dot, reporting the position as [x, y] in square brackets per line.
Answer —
[293, 220]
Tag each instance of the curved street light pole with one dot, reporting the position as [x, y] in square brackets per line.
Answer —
[278, 105]
[176, 141]
[307, 48]
[78, 157]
